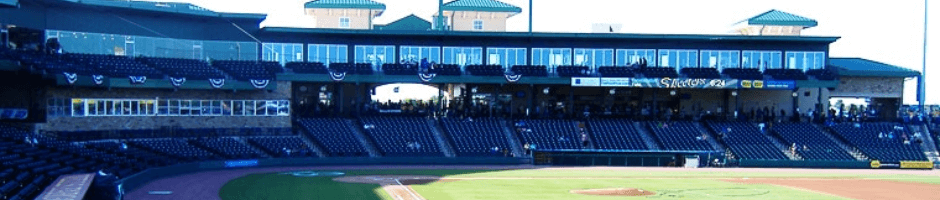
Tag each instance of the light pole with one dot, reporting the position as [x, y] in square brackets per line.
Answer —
[922, 86]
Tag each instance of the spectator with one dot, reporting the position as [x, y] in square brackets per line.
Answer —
[761, 126]
[584, 139]
[805, 148]
[526, 148]
[881, 135]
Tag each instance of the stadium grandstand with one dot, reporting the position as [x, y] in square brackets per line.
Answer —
[118, 91]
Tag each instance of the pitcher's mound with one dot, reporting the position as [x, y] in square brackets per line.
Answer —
[631, 192]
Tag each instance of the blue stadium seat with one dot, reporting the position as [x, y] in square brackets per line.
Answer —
[476, 138]
[819, 146]
[551, 134]
[680, 135]
[616, 134]
[747, 141]
[334, 136]
[866, 139]
[402, 136]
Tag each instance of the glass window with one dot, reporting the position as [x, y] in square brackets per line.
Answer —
[463, 56]
[282, 52]
[626, 57]
[416, 53]
[375, 55]
[344, 22]
[78, 107]
[761, 59]
[720, 59]
[594, 58]
[507, 57]
[805, 60]
[678, 58]
[551, 57]
[327, 53]
[477, 25]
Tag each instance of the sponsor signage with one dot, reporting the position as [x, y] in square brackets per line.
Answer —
[916, 165]
[585, 82]
[68, 187]
[241, 163]
[768, 85]
[616, 82]
[699, 83]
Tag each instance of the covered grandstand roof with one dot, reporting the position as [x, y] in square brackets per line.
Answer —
[865, 67]
[481, 5]
[353, 4]
[780, 18]
[564, 35]
[9, 3]
[167, 7]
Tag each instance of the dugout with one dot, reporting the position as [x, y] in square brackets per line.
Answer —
[591, 157]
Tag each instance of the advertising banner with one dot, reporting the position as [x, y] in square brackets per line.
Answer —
[916, 165]
[616, 82]
[692, 83]
[585, 82]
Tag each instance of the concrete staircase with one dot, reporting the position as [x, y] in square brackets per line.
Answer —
[647, 137]
[514, 143]
[717, 146]
[253, 147]
[363, 139]
[312, 145]
[848, 148]
[929, 147]
[441, 138]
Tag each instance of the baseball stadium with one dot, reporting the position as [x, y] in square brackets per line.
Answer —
[143, 100]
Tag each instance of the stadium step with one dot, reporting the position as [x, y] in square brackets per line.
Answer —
[783, 147]
[645, 134]
[929, 147]
[441, 138]
[514, 143]
[717, 146]
[357, 131]
[252, 147]
[852, 150]
[312, 145]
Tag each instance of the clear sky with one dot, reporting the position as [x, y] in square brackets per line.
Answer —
[885, 31]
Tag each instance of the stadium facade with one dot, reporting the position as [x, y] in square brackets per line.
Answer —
[123, 70]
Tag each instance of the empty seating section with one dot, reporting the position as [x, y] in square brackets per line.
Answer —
[177, 148]
[486, 70]
[747, 141]
[352, 68]
[743, 73]
[188, 68]
[246, 70]
[307, 67]
[402, 136]
[680, 135]
[573, 71]
[53, 64]
[228, 147]
[448, 70]
[116, 66]
[399, 69]
[476, 138]
[616, 134]
[551, 134]
[659, 72]
[785, 74]
[705, 72]
[822, 74]
[334, 136]
[866, 139]
[819, 147]
[614, 71]
[530, 70]
[278, 146]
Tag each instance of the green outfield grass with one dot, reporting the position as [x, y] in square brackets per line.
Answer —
[551, 184]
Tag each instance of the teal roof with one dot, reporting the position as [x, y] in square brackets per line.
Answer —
[353, 4]
[9, 3]
[865, 67]
[481, 5]
[410, 22]
[780, 18]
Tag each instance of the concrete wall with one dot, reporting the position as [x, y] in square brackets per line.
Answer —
[282, 92]
[770, 30]
[329, 18]
[492, 21]
[878, 87]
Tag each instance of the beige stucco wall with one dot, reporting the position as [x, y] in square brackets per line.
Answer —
[329, 18]
[492, 21]
[869, 87]
[770, 30]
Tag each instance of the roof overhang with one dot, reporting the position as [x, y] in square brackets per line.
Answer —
[9, 3]
[860, 67]
[514, 10]
[315, 4]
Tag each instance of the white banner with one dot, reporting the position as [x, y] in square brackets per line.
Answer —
[585, 82]
[616, 82]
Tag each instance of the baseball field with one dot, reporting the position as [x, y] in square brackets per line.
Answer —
[527, 182]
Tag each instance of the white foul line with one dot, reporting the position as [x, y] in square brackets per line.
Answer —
[413, 195]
